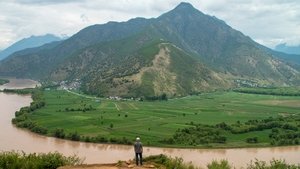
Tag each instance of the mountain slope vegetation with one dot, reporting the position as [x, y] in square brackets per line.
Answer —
[181, 52]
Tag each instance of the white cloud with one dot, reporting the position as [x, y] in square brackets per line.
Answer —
[45, 2]
[269, 22]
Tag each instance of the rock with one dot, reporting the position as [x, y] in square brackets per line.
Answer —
[151, 166]
[131, 166]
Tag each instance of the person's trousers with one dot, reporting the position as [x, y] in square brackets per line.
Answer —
[138, 158]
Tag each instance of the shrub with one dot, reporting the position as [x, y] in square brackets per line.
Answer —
[169, 163]
[39, 130]
[59, 133]
[274, 164]
[15, 160]
[223, 164]
[74, 136]
[252, 140]
[100, 139]
[113, 140]
[198, 134]
[87, 139]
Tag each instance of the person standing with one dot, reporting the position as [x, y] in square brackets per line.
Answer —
[138, 149]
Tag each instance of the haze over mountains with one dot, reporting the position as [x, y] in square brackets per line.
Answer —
[181, 52]
[288, 49]
[30, 42]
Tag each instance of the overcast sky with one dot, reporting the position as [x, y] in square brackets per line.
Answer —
[268, 22]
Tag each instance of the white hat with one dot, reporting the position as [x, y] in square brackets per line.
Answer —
[138, 139]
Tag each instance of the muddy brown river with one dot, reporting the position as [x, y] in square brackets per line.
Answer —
[12, 138]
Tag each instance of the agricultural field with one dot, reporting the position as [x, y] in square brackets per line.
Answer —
[105, 120]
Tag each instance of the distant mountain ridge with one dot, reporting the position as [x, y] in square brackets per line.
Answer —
[30, 42]
[283, 47]
[290, 54]
[181, 52]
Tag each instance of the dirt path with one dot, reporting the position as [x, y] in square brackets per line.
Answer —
[117, 107]
[81, 95]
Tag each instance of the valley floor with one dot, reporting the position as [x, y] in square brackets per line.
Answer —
[76, 117]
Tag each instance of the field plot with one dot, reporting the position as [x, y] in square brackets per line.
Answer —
[159, 120]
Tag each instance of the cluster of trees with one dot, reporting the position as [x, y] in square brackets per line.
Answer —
[83, 109]
[19, 91]
[102, 139]
[285, 123]
[285, 131]
[60, 133]
[21, 117]
[75, 136]
[31, 126]
[198, 134]
[162, 97]
[290, 91]
[281, 137]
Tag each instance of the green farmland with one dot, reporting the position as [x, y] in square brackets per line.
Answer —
[111, 120]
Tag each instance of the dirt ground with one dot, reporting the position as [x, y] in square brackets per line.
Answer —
[120, 165]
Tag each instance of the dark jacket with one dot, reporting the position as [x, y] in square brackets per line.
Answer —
[138, 147]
